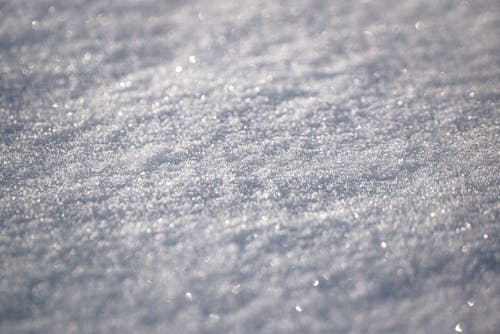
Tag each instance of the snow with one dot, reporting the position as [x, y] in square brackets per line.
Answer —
[249, 166]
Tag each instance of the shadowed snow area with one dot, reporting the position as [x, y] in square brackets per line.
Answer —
[249, 166]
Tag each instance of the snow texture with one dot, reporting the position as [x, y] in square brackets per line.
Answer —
[249, 166]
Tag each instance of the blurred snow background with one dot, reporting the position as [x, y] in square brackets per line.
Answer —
[249, 166]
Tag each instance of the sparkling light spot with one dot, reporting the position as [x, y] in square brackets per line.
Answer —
[458, 328]
[298, 308]
[192, 59]
[383, 244]
[316, 283]
[178, 69]
[236, 289]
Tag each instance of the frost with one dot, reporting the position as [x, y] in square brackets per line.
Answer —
[249, 166]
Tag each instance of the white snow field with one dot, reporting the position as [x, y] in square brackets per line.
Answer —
[249, 166]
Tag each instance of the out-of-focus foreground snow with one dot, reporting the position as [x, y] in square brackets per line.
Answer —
[249, 166]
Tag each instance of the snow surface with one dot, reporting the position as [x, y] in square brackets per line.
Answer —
[249, 166]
